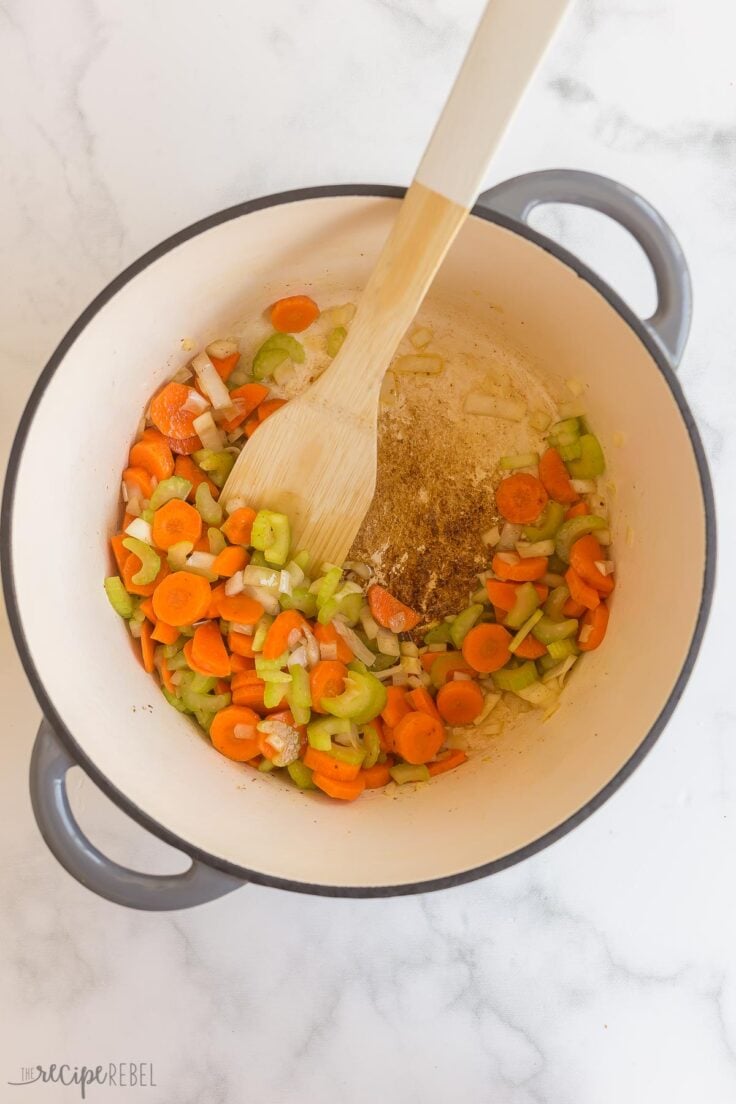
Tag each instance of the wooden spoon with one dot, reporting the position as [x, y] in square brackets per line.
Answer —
[315, 459]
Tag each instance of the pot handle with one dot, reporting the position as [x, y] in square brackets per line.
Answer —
[670, 323]
[50, 762]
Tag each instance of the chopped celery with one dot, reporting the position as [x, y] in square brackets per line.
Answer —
[173, 487]
[571, 451]
[568, 425]
[383, 662]
[271, 534]
[320, 733]
[407, 772]
[202, 684]
[521, 460]
[176, 557]
[550, 522]
[215, 539]
[372, 745]
[328, 586]
[204, 718]
[148, 515]
[274, 351]
[444, 664]
[170, 650]
[257, 559]
[204, 703]
[572, 530]
[301, 559]
[515, 678]
[547, 630]
[524, 631]
[362, 699]
[259, 635]
[301, 775]
[335, 339]
[273, 694]
[118, 596]
[283, 678]
[328, 611]
[266, 766]
[173, 700]
[350, 607]
[275, 664]
[299, 599]
[150, 560]
[353, 756]
[561, 649]
[565, 440]
[463, 623]
[218, 465]
[546, 662]
[298, 694]
[440, 634]
[555, 602]
[209, 510]
[591, 462]
[527, 601]
[177, 662]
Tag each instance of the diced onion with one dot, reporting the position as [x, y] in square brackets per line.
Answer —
[295, 573]
[388, 642]
[298, 657]
[363, 570]
[400, 678]
[284, 582]
[234, 585]
[603, 536]
[353, 641]
[414, 681]
[210, 382]
[540, 548]
[235, 502]
[135, 628]
[196, 403]
[411, 665]
[370, 627]
[491, 537]
[389, 673]
[337, 316]
[585, 634]
[244, 731]
[328, 650]
[201, 560]
[124, 490]
[437, 648]
[223, 347]
[254, 575]
[313, 654]
[489, 704]
[584, 486]
[141, 530]
[294, 639]
[598, 505]
[508, 557]
[511, 410]
[421, 337]
[246, 630]
[265, 596]
[538, 694]
[539, 420]
[409, 649]
[183, 375]
[510, 534]
[235, 435]
[207, 431]
[425, 363]
[606, 567]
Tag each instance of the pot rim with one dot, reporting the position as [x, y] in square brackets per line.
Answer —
[120, 798]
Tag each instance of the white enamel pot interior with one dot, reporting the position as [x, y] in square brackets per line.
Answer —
[539, 780]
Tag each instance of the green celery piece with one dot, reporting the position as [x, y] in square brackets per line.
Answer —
[407, 772]
[173, 487]
[301, 775]
[350, 607]
[328, 611]
[328, 586]
[204, 703]
[351, 755]
[262, 628]
[177, 662]
[218, 465]
[515, 678]
[202, 684]
[568, 425]
[173, 700]
[561, 649]
[301, 559]
[273, 694]
[547, 662]
[274, 351]
[150, 560]
[556, 600]
[176, 557]
[362, 699]
[148, 515]
[320, 732]
[118, 596]
[170, 650]
[524, 631]
[204, 718]
[383, 662]
[209, 510]
[440, 634]
[520, 460]
[299, 599]
[546, 630]
[572, 530]
[552, 519]
[335, 339]
[591, 462]
[216, 540]
[463, 623]
[271, 534]
[299, 695]
[372, 744]
[283, 678]
[263, 664]
[570, 452]
[527, 600]
[265, 766]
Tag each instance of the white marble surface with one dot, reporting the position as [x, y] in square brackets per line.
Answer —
[604, 969]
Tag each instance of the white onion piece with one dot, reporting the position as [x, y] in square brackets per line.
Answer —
[460, 676]
[511, 410]
[540, 548]
[363, 570]
[298, 657]
[436, 647]
[294, 639]
[141, 530]
[235, 502]
[246, 630]
[235, 435]
[135, 628]
[284, 582]
[603, 536]
[491, 537]
[328, 650]
[411, 665]
[353, 641]
[295, 574]
[426, 364]
[584, 486]
[234, 584]
[313, 647]
[244, 731]
[283, 739]
[196, 403]
[253, 575]
[210, 382]
[266, 597]
[539, 420]
[370, 627]
[124, 491]
[201, 560]
[409, 649]
[574, 409]
[606, 567]
[489, 704]
[388, 642]
[585, 634]
[508, 557]
[400, 679]
[414, 681]
[223, 347]
[388, 674]
[337, 316]
[208, 433]
[510, 534]
[182, 376]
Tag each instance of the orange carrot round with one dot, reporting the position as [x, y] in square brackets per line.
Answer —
[225, 366]
[584, 554]
[486, 648]
[187, 469]
[459, 702]
[164, 634]
[181, 598]
[339, 788]
[396, 705]
[183, 446]
[277, 637]
[326, 680]
[572, 608]
[168, 413]
[530, 648]
[152, 453]
[520, 498]
[578, 510]
[240, 663]
[222, 733]
[269, 407]
[376, 776]
[521, 571]
[328, 634]
[140, 480]
[448, 762]
[418, 737]
[240, 644]
[503, 595]
[389, 611]
[176, 521]
[323, 763]
[209, 651]
[241, 609]
[229, 561]
[597, 621]
[580, 592]
[555, 477]
[294, 313]
[238, 526]
[421, 700]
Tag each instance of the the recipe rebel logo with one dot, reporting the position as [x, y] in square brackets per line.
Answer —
[114, 1075]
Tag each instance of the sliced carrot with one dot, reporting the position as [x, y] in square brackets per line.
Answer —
[421, 700]
[555, 477]
[294, 313]
[127, 518]
[386, 737]
[152, 453]
[222, 686]
[241, 663]
[181, 598]
[168, 411]
[269, 407]
[238, 526]
[216, 595]
[596, 621]
[396, 705]
[326, 680]
[121, 554]
[427, 659]
[503, 595]
[230, 560]
[225, 366]
[166, 678]
[140, 480]
[584, 555]
[202, 543]
[165, 634]
[580, 592]
[520, 498]
[578, 510]
[534, 567]
[530, 648]
[328, 634]
[131, 567]
[277, 637]
[241, 609]
[245, 399]
[459, 702]
[250, 695]
[222, 733]
[339, 788]
[187, 469]
[445, 666]
[376, 776]
[324, 763]
[176, 521]
[448, 762]
[247, 677]
[573, 609]
[418, 737]
[147, 607]
[486, 648]
[209, 651]
[147, 648]
[240, 644]
[252, 425]
[390, 612]
[184, 446]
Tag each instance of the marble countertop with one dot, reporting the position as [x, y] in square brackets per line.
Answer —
[602, 970]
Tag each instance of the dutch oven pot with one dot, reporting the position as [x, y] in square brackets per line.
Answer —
[103, 712]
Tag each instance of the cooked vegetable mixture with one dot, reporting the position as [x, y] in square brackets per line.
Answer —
[316, 670]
